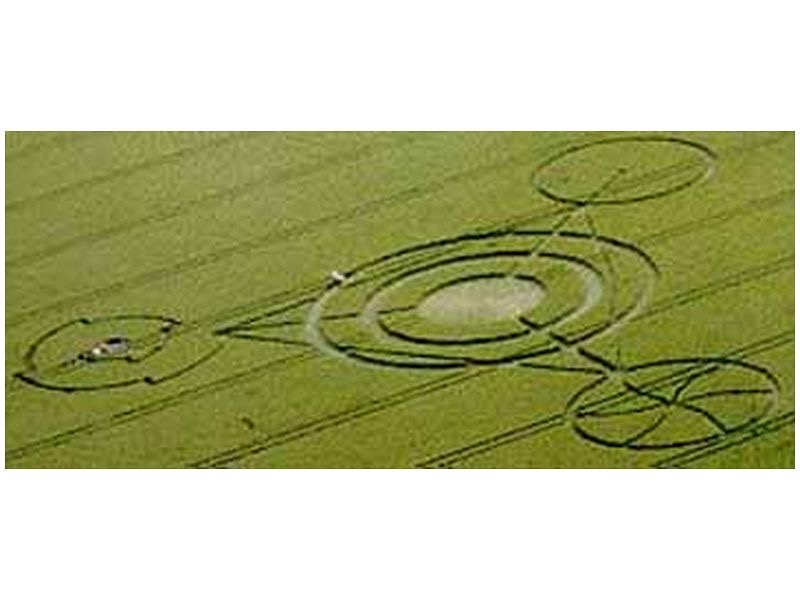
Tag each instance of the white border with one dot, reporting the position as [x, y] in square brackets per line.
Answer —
[402, 65]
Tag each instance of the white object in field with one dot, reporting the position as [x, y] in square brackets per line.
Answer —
[113, 346]
[338, 277]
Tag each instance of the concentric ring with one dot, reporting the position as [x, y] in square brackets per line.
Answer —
[585, 285]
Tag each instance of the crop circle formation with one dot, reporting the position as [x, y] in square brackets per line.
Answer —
[673, 403]
[484, 299]
[623, 170]
[98, 353]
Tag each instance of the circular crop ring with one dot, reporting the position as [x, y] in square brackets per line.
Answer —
[65, 358]
[483, 299]
[623, 170]
[673, 403]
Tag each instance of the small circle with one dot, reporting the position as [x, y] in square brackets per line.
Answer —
[101, 353]
[483, 299]
[623, 170]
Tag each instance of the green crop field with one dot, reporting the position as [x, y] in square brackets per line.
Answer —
[379, 299]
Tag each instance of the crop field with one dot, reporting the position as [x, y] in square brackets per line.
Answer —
[399, 300]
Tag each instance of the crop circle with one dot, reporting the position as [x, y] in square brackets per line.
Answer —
[106, 352]
[623, 170]
[673, 403]
[484, 299]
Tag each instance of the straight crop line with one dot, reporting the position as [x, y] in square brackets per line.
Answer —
[724, 283]
[337, 419]
[767, 427]
[57, 140]
[203, 260]
[718, 218]
[451, 457]
[211, 199]
[112, 174]
[147, 408]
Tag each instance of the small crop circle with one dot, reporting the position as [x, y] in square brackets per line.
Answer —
[623, 170]
[106, 352]
[673, 403]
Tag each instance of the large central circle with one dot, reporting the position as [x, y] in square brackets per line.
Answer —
[482, 299]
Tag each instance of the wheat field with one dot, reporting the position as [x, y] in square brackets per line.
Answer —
[399, 299]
